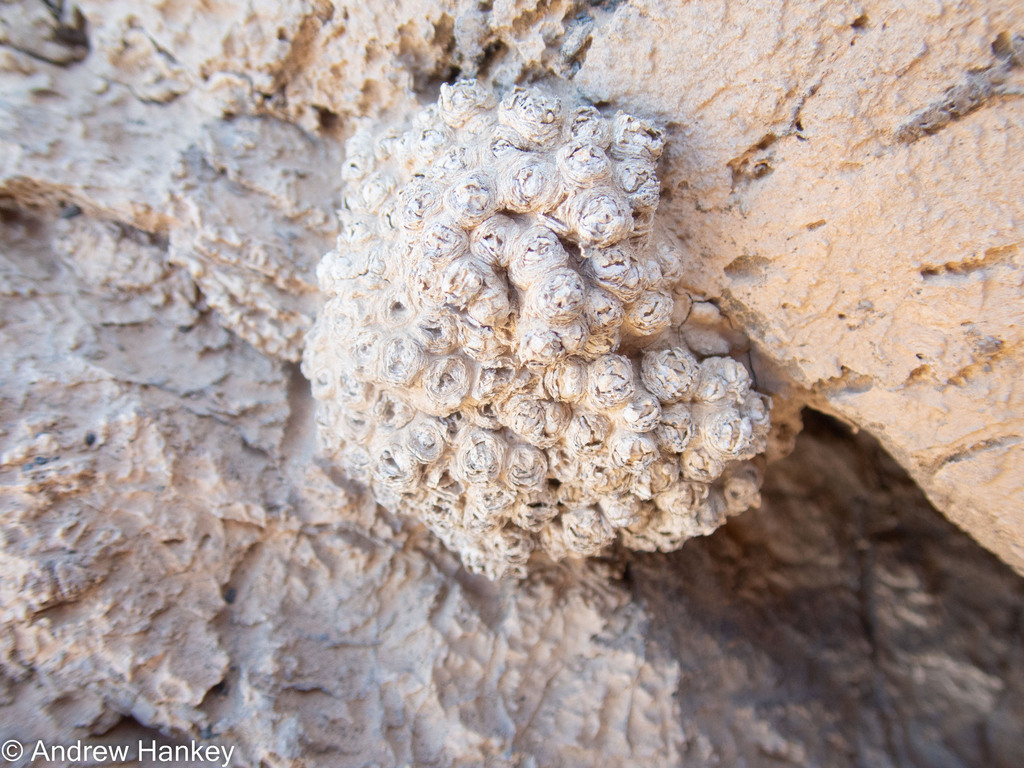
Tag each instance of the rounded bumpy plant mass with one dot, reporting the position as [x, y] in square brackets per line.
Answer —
[495, 354]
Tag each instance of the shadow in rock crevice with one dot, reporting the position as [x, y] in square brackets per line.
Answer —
[846, 622]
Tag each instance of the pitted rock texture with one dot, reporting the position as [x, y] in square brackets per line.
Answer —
[190, 571]
[173, 566]
[880, 275]
[492, 356]
[884, 276]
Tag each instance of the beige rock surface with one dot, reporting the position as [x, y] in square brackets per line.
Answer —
[882, 276]
[885, 277]
[173, 558]
[175, 566]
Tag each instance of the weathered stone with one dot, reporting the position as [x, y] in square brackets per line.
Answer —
[174, 561]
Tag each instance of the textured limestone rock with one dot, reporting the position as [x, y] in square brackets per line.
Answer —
[173, 567]
[117, 485]
[494, 354]
[880, 275]
[884, 276]
[248, 217]
[175, 564]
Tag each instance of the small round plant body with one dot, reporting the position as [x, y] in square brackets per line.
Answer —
[495, 355]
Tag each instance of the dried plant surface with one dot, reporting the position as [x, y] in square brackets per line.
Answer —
[494, 354]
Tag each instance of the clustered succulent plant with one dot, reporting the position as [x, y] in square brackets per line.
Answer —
[495, 356]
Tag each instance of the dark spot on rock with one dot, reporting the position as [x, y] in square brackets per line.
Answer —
[327, 119]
